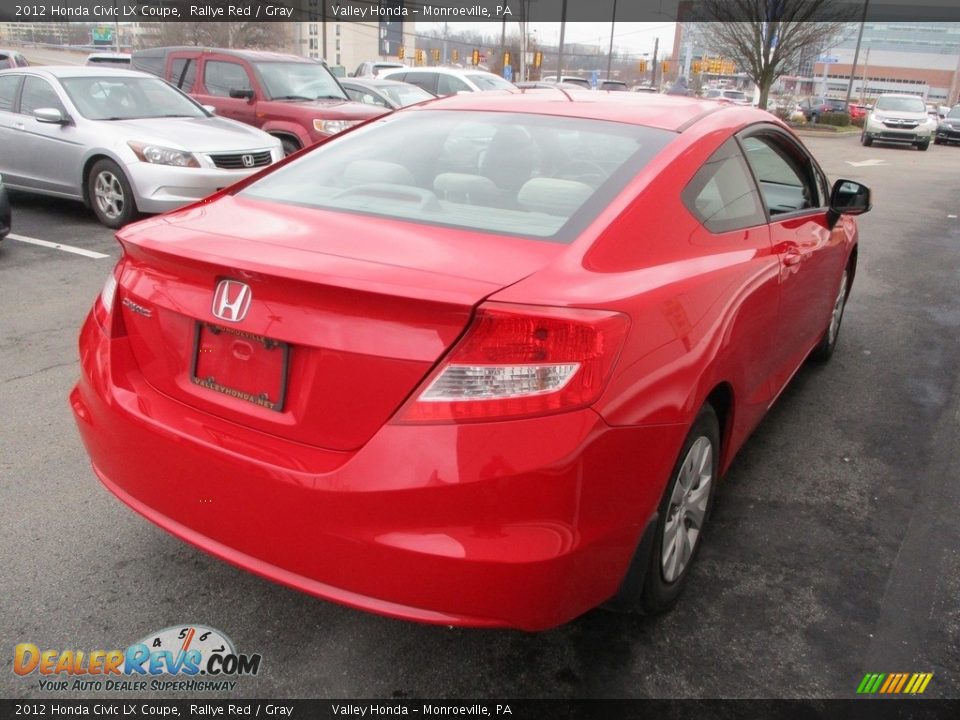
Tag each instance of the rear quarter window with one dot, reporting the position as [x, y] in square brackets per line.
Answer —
[722, 195]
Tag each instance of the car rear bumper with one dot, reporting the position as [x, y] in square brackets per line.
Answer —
[161, 188]
[521, 524]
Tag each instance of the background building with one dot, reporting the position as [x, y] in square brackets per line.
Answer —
[347, 44]
[920, 59]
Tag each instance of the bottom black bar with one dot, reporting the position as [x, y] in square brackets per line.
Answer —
[130, 709]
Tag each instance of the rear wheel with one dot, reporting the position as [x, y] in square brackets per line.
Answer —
[684, 511]
[828, 343]
[111, 196]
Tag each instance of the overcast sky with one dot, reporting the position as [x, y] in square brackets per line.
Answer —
[634, 37]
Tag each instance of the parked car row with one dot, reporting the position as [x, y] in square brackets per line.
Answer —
[124, 142]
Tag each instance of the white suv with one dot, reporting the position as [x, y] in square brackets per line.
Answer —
[448, 81]
[899, 119]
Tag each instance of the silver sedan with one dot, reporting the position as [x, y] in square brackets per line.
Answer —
[122, 142]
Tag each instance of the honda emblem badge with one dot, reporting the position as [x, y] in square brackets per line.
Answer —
[231, 300]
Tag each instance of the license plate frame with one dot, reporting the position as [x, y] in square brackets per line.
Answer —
[260, 344]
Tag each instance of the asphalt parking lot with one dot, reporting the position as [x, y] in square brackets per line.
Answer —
[834, 549]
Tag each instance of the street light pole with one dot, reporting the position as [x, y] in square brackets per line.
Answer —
[613, 23]
[563, 27]
[856, 53]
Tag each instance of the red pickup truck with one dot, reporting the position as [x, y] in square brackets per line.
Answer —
[294, 99]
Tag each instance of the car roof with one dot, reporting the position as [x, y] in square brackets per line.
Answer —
[67, 71]
[250, 55]
[441, 70]
[109, 55]
[667, 112]
[373, 82]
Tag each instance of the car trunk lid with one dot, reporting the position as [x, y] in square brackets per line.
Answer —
[344, 314]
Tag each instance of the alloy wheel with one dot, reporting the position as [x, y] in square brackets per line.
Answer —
[687, 510]
[837, 314]
[108, 193]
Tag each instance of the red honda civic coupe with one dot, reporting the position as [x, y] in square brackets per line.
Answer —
[479, 362]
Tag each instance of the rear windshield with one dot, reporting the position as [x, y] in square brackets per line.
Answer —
[900, 104]
[535, 176]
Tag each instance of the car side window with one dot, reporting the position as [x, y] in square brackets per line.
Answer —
[365, 97]
[8, 91]
[428, 81]
[38, 93]
[722, 195]
[221, 77]
[786, 177]
[184, 73]
[450, 85]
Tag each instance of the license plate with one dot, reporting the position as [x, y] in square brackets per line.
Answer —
[240, 364]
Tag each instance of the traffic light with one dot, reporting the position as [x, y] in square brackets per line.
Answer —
[455, 55]
[400, 53]
[475, 57]
[419, 56]
[506, 58]
[643, 66]
[435, 54]
[537, 59]
[665, 68]
[696, 66]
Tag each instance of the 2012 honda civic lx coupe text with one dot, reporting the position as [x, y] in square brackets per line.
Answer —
[478, 362]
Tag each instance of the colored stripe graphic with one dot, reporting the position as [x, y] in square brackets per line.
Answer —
[894, 683]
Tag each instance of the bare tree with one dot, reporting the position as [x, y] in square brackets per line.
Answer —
[245, 35]
[776, 35]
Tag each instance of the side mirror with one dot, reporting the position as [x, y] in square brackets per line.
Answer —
[238, 94]
[848, 197]
[52, 116]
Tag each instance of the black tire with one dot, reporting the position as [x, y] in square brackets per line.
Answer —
[828, 341]
[290, 146]
[937, 141]
[110, 194]
[662, 587]
[866, 140]
[923, 145]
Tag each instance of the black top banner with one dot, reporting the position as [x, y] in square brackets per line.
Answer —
[464, 10]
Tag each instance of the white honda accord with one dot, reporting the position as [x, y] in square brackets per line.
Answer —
[123, 142]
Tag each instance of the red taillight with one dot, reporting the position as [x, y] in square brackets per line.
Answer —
[105, 303]
[517, 361]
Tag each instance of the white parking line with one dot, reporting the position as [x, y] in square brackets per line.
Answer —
[58, 246]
